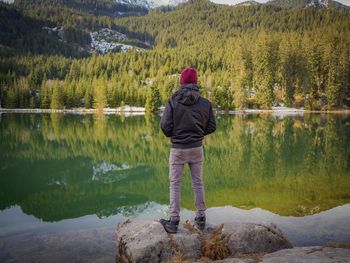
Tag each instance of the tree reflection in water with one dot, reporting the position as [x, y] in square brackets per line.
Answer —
[65, 166]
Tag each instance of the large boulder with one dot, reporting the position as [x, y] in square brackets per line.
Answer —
[295, 255]
[251, 238]
[308, 255]
[147, 241]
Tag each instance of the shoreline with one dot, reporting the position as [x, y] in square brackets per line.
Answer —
[98, 243]
[296, 112]
[106, 111]
[141, 111]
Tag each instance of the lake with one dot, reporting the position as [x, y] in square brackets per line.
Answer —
[68, 179]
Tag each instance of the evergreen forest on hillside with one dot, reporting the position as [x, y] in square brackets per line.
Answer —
[253, 56]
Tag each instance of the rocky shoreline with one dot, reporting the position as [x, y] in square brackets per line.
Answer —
[119, 110]
[98, 245]
[145, 241]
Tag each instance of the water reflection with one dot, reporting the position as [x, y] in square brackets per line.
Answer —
[319, 229]
[59, 166]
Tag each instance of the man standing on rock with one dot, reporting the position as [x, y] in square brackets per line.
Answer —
[187, 118]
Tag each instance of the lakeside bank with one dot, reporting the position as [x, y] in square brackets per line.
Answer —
[132, 110]
[120, 110]
[98, 244]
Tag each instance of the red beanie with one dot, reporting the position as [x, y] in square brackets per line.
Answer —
[188, 75]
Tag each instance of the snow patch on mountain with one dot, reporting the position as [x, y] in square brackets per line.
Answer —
[107, 40]
[152, 3]
[157, 3]
[247, 3]
[144, 3]
[317, 3]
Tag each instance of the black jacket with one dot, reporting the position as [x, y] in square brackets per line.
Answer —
[187, 118]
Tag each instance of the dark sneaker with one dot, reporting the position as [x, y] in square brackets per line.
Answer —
[200, 222]
[170, 226]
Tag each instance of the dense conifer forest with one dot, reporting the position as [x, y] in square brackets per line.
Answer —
[253, 56]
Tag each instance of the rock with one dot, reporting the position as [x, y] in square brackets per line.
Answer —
[294, 255]
[308, 255]
[147, 241]
[251, 238]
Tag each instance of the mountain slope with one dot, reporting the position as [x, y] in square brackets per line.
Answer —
[152, 3]
[247, 56]
[21, 34]
[281, 3]
[196, 21]
[333, 5]
[108, 8]
[187, 24]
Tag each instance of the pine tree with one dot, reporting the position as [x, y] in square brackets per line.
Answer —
[57, 97]
[264, 71]
[11, 98]
[287, 69]
[32, 102]
[44, 95]
[100, 98]
[316, 66]
[240, 80]
[153, 101]
[88, 98]
[334, 76]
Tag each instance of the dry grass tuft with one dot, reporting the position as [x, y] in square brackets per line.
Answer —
[173, 244]
[179, 257]
[187, 225]
[213, 245]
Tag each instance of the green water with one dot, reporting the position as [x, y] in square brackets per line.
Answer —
[57, 166]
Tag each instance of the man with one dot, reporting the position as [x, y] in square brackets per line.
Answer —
[187, 118]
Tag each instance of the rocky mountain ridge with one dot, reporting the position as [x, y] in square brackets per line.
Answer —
[282, 3]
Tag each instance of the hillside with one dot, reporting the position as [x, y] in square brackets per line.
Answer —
[23, 34]
[108, 8]
[247, 56]
[71, 28]
[327, 4]
[192, 22]
[78, 21]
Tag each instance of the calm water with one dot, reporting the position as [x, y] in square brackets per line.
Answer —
[60, 173]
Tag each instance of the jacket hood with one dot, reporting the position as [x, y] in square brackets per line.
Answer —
[188, 94]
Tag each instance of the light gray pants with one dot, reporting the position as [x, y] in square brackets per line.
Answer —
[177, 159]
